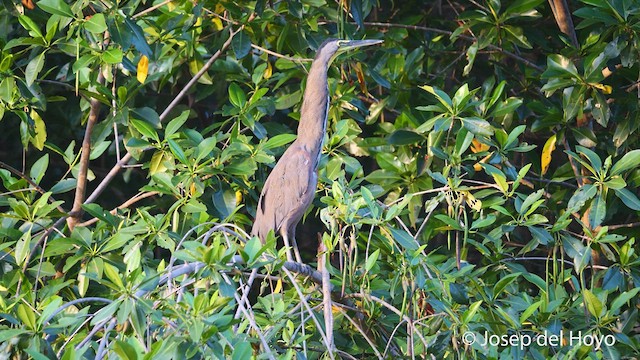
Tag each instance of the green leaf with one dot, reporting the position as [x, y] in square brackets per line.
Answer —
[506, 107]
[581, 196]
[279, 140]
[23, 245]
[531, 200]
[404, 137]
[112, 56]
[125, 350]
[578, 252]
[483, 222]
[593, 158]
[357, 12]
[63, 186]
[404, 239]
[623, 299]
[477, 126]
[242, 351]
[29, 25]
[27, 316]
[629, 161]
[56, 7]
[145, 129]
[471, 312]
[598, 211]
[7, 86]
[241, 44]
[33, 68]
[601, 111]
[628, 198]
[449, 221]
[107, 311]
[372, 260]
[174, 125]
[503, 283]
[177, 151]
[541, 235]
[237, 96]
[225, 202]
[529, 311]
[559, 66]
[194, 206]
[253, 248]
[98, 212]
[96, 24]
[572, 102]
[137, 38]
[594, 305]
[39, 168]
[440, 95]
[471, 57]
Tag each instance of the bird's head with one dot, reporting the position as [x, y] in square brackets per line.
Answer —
[331, 48]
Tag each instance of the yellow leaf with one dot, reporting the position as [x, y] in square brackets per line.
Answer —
[40, 130]
[606, 89]
[143, 69]
[238, 197]
[477, 146]
[83, 280]
[471, 200]
[278, 287]
[194, 66]
[157, 163]
[217, 23]
[268, 71]
[548, 148]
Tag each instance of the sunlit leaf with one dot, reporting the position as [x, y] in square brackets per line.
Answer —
[55, 7]
[547, 150]
[143, 69]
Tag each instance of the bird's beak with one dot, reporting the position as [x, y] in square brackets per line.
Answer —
[352, 44]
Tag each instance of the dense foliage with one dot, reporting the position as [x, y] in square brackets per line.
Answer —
[479, 179]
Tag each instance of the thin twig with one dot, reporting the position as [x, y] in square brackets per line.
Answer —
[37, 187]
[270, 52]
[468, 38]
[124, 205]
[145, 11]
[621, 226]
[323, 256]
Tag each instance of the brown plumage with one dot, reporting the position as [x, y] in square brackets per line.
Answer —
[291, 185]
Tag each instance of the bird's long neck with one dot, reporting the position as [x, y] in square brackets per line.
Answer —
[315, 104]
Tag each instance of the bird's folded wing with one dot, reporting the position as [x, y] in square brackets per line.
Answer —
[287, 192]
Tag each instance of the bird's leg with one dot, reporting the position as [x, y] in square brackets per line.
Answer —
[296, 251]
[285, 238]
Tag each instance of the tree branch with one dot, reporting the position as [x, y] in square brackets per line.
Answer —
[561, 13]
[81, 187]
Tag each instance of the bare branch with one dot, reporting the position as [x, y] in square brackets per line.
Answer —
[76, 210]
[561, 13]
[124, 205]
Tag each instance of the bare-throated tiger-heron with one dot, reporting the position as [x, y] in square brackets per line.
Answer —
[291, 185]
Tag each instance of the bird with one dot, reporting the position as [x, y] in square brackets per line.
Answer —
[291, 185]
